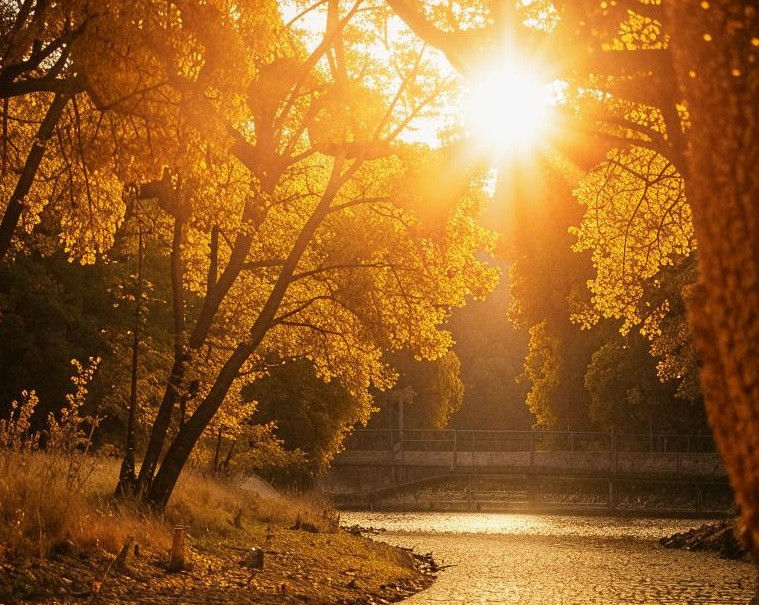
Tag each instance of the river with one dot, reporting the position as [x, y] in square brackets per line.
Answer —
[510, 559]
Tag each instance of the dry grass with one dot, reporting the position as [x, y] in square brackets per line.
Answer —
[40, 513]
[211, 505]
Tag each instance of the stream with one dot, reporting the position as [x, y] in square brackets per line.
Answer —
[512, 559]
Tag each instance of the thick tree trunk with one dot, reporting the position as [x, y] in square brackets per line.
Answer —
[716, 53]
[26, 178]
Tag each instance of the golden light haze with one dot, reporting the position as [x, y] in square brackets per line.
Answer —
[508, 108]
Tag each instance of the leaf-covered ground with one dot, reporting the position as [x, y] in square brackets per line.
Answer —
[299, 567]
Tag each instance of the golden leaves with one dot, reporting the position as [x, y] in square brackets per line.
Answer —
[636, 222]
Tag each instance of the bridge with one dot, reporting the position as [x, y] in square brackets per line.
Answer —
[379, 463]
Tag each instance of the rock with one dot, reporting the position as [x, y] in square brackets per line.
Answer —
[254, 558]
[715, 537]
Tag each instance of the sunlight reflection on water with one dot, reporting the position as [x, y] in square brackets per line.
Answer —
[518, 559]
[523, 525]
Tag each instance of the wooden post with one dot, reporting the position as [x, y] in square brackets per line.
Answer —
[176, 558]
[612, 496]
[455, 450]
[215, 463]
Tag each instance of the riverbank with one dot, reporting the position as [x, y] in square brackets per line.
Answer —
[61, 547]
[298, 567]
[727, 538]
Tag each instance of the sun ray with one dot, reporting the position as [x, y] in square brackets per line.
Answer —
[509, 108]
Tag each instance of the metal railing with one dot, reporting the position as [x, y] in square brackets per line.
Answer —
[525, 441]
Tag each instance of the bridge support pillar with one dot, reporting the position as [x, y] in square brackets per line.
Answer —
[534, 492]
[399, 474]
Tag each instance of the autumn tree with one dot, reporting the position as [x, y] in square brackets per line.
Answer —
[84, 111]
[35, 48]
[546, 283]
[715, 51]
[265, 157]
[301, 162]
[679, 80]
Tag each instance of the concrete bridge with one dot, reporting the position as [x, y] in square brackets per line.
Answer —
[382, 462]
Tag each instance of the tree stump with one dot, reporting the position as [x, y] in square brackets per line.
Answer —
[176, 557]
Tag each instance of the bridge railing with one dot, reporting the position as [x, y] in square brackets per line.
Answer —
[524, 441]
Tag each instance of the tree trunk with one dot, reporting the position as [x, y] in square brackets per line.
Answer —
[172, 392]
[179, 451]
[181, 446]
[127, 477]
[26, 179]
[182, 356]
[716, 54]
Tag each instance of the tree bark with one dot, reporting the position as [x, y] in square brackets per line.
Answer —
[172, 392]
[127, 477]
[183, 355]
[181, 446]
[24, 184]
[716, 54]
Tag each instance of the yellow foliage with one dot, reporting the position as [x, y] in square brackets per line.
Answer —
[637, 221]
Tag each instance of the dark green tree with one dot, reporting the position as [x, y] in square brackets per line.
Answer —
[433, 390]
[310, 415]
[491, 351]
[627, 395]
[51, 312]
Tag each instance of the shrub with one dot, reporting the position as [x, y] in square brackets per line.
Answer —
[44, 473]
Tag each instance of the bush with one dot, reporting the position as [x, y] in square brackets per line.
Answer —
[44, 472]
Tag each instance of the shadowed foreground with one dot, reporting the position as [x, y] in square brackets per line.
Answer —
[299, 567]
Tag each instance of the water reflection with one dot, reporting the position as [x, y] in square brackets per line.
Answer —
[510, 559]
[521, 525]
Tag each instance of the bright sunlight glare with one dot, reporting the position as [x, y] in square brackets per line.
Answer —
[509, 107]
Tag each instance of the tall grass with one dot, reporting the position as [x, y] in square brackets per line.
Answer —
[60, 498]
[42, 492]
[39, 516]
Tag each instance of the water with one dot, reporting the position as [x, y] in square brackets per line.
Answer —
[507, 559]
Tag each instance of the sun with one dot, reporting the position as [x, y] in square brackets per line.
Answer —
[509, 107]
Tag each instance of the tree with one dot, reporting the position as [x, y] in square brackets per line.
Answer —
[433, 387]
[491, 352]
[310, 415]
[668, 57]
[627, 395]
[295, 279]
[547, 282]
[52, 312]
[716, 63]
[266, 158]
[84, 110]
